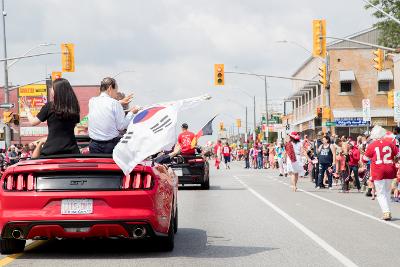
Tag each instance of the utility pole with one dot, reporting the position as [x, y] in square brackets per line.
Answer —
[246, 121]
[266, 107]
[7, 131]
[254, 118]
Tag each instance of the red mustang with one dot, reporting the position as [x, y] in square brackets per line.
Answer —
[86, 196]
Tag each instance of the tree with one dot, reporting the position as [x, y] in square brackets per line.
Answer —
[389, 29]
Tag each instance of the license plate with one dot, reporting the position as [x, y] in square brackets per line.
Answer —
[77, 206]
[178, 172]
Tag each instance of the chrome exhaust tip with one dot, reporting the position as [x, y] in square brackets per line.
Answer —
[139, 232]
[17, 234]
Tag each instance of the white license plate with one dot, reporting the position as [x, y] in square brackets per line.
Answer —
[178, 172]
[77, 206]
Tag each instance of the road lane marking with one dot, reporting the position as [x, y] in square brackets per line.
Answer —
[328, 248]
[397, 226]
[12, 257]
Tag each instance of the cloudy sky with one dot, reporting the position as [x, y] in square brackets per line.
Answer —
[172, 45]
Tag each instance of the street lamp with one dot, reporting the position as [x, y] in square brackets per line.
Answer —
[124, 71]
[245, 107]
[28, 51]
[294, 43]
[253, 97]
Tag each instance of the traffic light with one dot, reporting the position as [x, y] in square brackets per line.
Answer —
[7, 116]
[67, 57]
[15, 119]
[56, 75]
[319, 112]
[219, 74]
[322, 74]
[238, 123]
[379, 59]
[221, 126]
[319, 38]
[391, 98]
[326, 113]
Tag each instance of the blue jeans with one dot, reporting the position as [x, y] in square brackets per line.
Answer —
[323, 167]
[260, 162]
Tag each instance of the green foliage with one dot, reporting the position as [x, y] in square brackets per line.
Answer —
[390, 30]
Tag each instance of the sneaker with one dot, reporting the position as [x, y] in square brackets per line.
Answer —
[387, 216]
[330, 188]
[280, 174]
[318, 188]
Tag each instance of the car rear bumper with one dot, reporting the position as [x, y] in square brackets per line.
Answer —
[78, 229]
[113, 213]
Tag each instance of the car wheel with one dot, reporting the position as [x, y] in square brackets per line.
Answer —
[206, 184]
[11, 246]
[176, 221]
[166, 243]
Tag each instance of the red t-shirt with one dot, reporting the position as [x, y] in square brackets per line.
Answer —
[381, 153]
[226, 151]
[185, 141]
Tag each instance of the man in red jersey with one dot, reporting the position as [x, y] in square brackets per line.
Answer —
[185, 141]
[382, 153]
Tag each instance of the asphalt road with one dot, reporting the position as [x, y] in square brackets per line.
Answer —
[249, 218]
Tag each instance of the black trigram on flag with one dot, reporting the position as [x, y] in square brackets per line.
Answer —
[162, 124]
[126, 137]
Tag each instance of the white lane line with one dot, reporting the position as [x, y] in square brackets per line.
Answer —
[328, 248]
[397, 226]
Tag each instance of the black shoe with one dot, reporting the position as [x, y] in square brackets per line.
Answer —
[280, 174]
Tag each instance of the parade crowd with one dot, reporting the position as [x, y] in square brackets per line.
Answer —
[329, 161]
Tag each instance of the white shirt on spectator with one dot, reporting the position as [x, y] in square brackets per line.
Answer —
[106, 118]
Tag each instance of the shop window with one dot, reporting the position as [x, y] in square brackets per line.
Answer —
[346, 87]
[383, 86]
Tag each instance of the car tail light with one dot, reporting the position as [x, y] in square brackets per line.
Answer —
[137, 181]
[20, 182]
[195, 160]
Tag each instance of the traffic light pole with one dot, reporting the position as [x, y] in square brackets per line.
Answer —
[266, 107]
[7, 130]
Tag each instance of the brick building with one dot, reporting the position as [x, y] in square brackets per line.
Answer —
[352, 78]
[23, 134]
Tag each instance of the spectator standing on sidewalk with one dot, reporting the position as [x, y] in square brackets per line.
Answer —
[382, 153]
[280, 151]
[354, 158]
[326, 158]
[317, 144]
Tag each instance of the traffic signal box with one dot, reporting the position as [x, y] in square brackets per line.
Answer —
[379, 59]
[7, 116]
[323, 76]
[219, 74]
[56, 75]
[221, 126]
[238, 123]
[391, 98]
[67, 57]
[319, 38]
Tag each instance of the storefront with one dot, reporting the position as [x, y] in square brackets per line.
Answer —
[354, 127]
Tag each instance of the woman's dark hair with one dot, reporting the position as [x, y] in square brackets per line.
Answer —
[107, 82]
[66, 105]
[294, 140]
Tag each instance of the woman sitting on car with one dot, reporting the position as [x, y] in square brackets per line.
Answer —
[62, 113]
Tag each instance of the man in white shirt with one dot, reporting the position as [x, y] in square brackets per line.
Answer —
[107, 118]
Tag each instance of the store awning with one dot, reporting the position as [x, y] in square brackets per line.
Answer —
[347, 76]
[385, 75]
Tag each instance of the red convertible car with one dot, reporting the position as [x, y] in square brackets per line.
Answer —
[86, 196]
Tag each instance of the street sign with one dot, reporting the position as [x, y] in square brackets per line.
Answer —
[366, 106]
[330, 123]
[272, 121]
[397, 106]
[7, 105]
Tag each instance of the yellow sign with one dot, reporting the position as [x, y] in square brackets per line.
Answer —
[56, 75]
[67, 57]
[319, 38]
[34, 95]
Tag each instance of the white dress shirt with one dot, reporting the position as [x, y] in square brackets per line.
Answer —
[106, 118]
